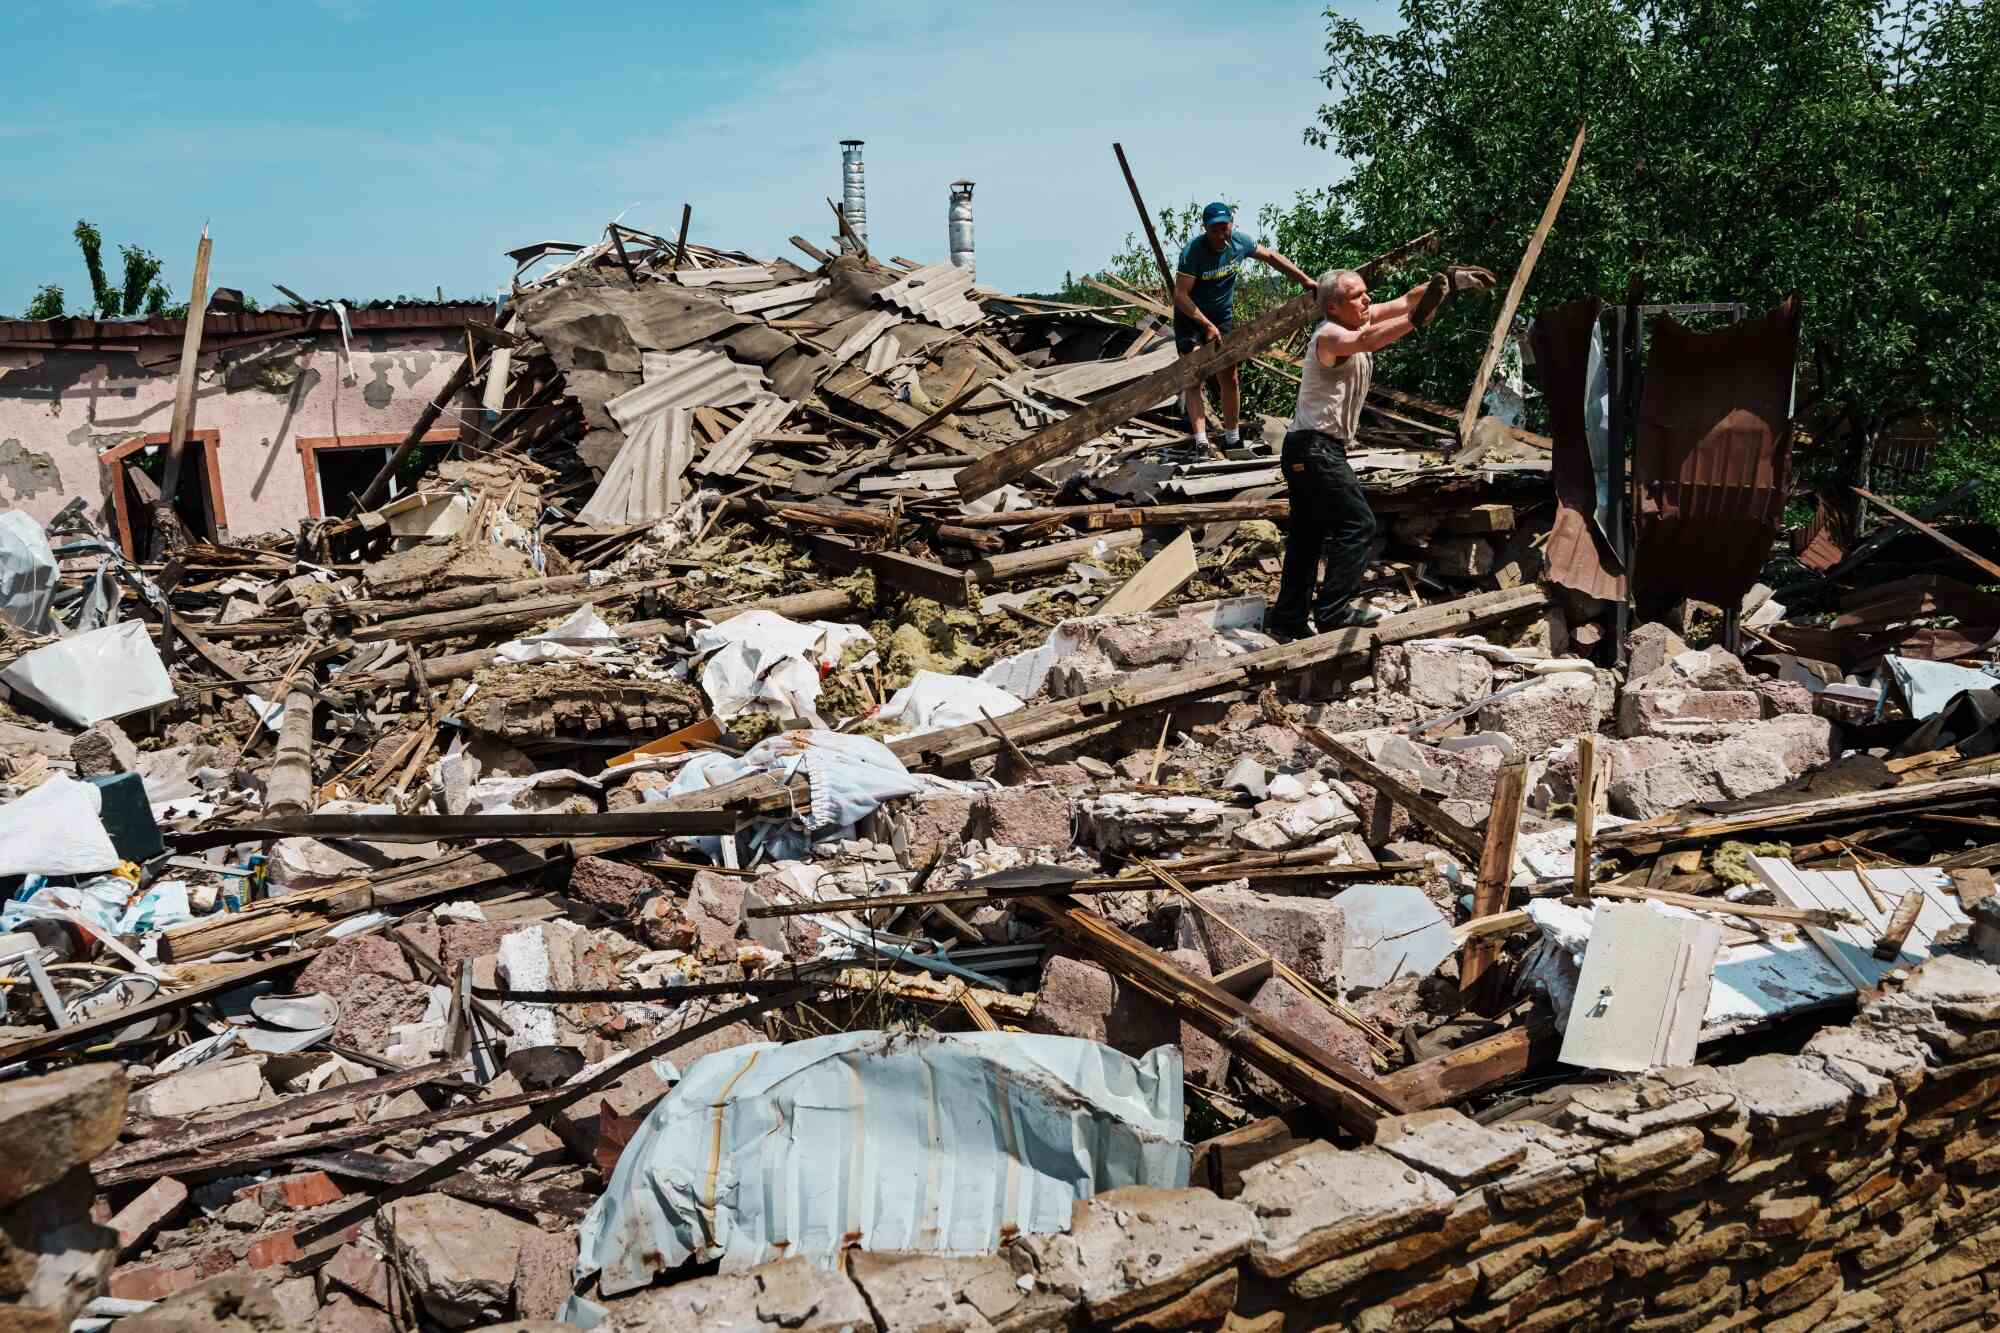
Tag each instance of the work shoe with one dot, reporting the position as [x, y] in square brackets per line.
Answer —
[1468, 278]
[1353, 617]
[1427, 305]
[1288, 633]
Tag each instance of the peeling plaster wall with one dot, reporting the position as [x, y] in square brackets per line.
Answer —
[60, 410]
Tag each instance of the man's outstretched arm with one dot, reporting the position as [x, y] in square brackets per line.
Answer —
[1336, 342]
[1284, 266]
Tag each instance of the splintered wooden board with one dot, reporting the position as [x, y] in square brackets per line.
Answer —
[1163, 574]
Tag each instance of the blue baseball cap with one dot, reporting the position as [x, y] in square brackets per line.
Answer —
[1217, 212]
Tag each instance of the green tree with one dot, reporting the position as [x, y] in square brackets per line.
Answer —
[1845, 149]
[48, 302]
[139, 287]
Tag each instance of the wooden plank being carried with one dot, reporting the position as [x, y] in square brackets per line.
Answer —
[1505, 322]
[1238, 345]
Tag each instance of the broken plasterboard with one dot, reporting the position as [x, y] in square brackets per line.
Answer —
[1644, 989]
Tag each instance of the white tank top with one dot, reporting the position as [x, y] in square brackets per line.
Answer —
[1330, 396]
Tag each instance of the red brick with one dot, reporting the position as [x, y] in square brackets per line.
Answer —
[308, 1189]
[150, 1282]
[279, 1247]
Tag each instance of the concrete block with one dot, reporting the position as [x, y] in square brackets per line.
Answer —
[1129, 822]
[1184, 1237]
[790, 1294]
[208, 1087]
[1438, 679]
[1298, 824]
[52, 1123]
[1450, 1146]
[1666, 711]
[458, 1258]
[1550, 711]
[1078, 998]
[1308, 935]
[1318, 1202]
[1037, 816]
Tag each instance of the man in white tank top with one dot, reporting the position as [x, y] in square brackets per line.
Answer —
[1329, 514]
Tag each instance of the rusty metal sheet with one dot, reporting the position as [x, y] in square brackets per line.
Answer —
[1713, 460]
[1579, 552]
[1824, 542]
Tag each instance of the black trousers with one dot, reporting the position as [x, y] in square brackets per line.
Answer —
[1330, 517]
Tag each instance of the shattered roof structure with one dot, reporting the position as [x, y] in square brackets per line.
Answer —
[699, 819]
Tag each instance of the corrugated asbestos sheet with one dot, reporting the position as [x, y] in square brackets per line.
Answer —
[643, 484]
[867, 337]
[938, 293]
[729, 453]
[1579, 551]
[686, 379]
[1713, 458]
[723, 277]
[1085, 378]
[797, 293]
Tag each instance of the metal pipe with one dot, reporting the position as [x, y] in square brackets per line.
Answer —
[958, 226]
[853, 189]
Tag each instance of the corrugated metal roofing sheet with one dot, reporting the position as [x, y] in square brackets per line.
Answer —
[939, 1143]
[1713, 458]
[1579, 554]
[938, 293]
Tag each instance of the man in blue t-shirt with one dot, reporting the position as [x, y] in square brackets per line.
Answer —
[1205, 309]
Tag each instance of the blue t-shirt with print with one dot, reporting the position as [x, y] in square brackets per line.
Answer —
[1215, 271]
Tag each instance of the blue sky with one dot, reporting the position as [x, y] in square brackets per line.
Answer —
[367, 148]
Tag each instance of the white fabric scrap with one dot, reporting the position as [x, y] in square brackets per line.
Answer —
[761, 660]
[583, 634]
[933, 701]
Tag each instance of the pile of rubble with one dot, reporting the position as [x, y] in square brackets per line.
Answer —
[797, 822]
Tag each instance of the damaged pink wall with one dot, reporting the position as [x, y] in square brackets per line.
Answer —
[60, 410]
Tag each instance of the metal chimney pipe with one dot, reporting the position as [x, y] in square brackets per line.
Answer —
[853, 190]
[958, 226]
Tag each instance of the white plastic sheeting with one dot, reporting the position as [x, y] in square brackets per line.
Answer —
[1929, 687]
[761, 660]
[932, 1142]
[55, 830]
[105, 673]
[584, 634]
[933, 701]
[27, 574]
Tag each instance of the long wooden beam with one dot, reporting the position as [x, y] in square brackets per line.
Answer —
[1428, 812]
[1352, 1099]
[1955, 547]
[1858, 805]
[1238, 345]
[1505, 322]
